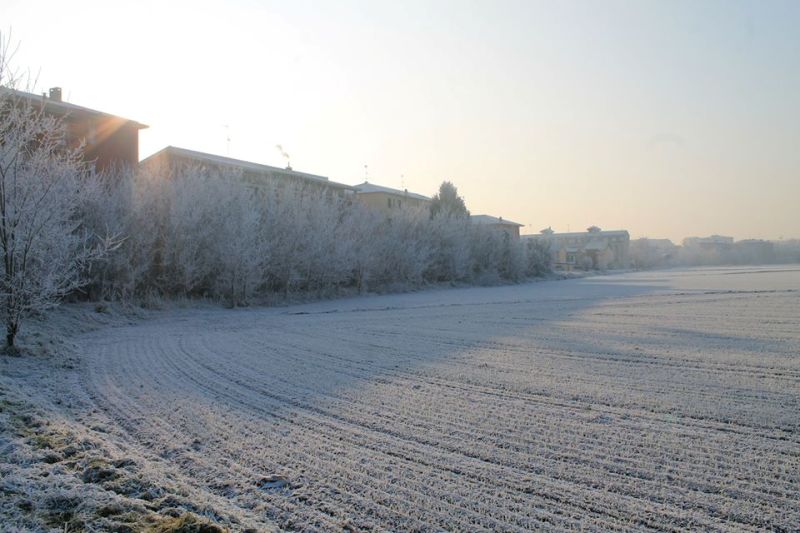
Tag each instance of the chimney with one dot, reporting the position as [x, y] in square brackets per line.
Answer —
[55, 94]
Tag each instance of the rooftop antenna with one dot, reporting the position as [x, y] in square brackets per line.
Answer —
[285, 156]
[403, 181]
[366, 173]
[227, 139]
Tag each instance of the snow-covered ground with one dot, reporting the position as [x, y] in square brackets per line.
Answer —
[655, 400]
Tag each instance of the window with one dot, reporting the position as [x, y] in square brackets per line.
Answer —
[571, 258]
[389, 202]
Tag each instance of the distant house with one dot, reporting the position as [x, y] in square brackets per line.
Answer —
[498, 223]
[593, 249]
[754, 251]
[108, 141]
[172, 159]
[721, 250]
[653, 253]
[711, 250]
[717, 243]
[662, 245]
[390, 201]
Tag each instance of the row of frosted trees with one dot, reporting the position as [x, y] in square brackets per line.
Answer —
[68, 232]
[209, 234]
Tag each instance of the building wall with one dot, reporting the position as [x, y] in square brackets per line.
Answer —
[569, 251]
[389, 204]
[105, 140]
[110, 142]
[511, 229]
[276, 182]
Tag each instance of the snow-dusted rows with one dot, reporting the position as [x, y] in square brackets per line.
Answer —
[628, 402]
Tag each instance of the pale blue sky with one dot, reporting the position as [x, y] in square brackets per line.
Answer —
[665, 118]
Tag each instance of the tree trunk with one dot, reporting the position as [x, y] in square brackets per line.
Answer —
[11, 333]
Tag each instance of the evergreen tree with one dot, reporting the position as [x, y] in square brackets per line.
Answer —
[448, 203]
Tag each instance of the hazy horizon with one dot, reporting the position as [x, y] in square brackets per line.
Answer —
[668, 119]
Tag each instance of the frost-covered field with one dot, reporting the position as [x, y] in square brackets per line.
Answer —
[656, 400]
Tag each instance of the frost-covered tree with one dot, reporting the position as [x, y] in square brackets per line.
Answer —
[200, 233]
[450, 243]
[537, 256]
[44, 190]
[448, 203]
[485, 254]
[116, 209]
[239, 244]
[360, 244]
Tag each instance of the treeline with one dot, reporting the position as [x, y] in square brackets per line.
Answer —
[67, 232]
[202, 233]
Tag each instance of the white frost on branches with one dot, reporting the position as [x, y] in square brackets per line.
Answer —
[45, 188]
[196, 232]
[199, 232]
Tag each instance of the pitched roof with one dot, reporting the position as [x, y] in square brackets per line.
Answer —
[609, 233]
[64, 108]
[488, 219]
[239, 164]
[656, 242]
[367, 187]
